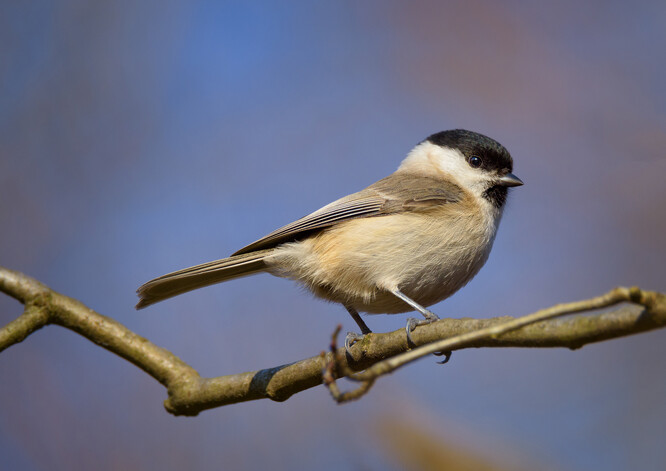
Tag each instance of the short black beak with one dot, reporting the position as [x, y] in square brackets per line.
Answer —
[510, 180]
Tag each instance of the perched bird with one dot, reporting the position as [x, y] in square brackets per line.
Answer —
[404, 243]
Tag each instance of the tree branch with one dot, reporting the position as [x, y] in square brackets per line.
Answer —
[653, 302]
[189, 393]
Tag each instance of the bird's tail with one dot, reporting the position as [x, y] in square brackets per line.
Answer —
[188, 279]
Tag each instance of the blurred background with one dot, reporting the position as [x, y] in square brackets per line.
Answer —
[137, 138]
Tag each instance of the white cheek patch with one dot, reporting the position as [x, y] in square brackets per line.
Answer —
[428, 157]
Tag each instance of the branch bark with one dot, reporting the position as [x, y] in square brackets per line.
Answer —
[652, 302]
[189, 393]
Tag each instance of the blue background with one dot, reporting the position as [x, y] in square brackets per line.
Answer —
[137, 138]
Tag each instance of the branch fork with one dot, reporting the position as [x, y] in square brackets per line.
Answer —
[372, 357]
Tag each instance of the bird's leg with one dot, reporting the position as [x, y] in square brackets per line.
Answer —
[353, 337]
[411, 322]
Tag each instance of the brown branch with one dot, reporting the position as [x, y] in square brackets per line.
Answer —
[653, 302]
[189, 393]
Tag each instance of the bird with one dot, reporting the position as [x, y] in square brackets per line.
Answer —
[402, 244]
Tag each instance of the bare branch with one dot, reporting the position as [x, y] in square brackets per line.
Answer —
[33, 318]
[189, 393]
[653, 302]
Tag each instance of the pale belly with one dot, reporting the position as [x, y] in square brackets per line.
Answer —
[357, 263]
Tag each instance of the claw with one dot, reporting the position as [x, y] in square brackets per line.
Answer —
[447, 356]
[413, 323]
[350, 339]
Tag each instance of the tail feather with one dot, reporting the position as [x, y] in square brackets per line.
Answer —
[188, 279]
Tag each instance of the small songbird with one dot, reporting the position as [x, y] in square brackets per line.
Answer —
[404, 243]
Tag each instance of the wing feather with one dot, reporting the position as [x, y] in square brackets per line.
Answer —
[393, 194]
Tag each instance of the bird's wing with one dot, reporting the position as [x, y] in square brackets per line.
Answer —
[393, 194]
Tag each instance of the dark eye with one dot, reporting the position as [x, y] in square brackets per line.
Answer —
[475, 161]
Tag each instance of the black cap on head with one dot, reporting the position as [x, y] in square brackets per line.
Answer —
[492, 153]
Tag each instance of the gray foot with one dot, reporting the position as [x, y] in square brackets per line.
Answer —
[350, 339]
[413, 323]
